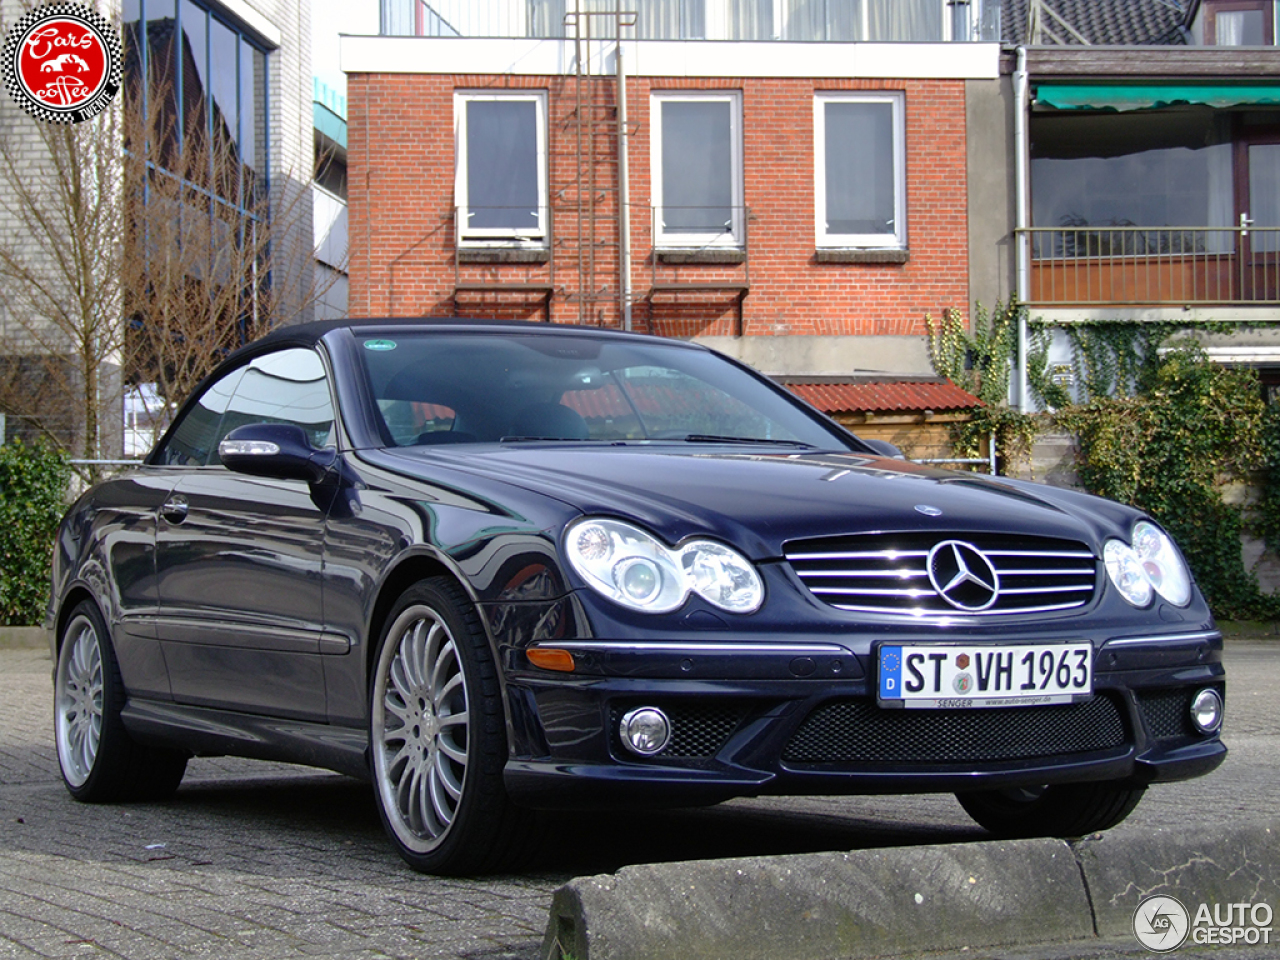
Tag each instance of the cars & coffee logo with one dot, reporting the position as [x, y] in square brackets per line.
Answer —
[1161, 923]
[61, 62]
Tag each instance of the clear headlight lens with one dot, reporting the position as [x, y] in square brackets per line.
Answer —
[1126, 572]
[1161, 563]
[634, 568]
[1152, 564]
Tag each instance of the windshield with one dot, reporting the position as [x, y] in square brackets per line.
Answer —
[437, 388]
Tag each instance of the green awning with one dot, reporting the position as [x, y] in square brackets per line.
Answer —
[1124, 97]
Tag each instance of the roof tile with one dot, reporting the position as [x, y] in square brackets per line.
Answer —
[889, 397]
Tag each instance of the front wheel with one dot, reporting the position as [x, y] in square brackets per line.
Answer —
[1060, 810]
[100, 762]
[438, 736]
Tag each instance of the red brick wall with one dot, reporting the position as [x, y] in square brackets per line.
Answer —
[401, 175]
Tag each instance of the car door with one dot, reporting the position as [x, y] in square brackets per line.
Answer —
[239, 559]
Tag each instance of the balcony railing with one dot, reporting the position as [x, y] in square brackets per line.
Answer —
[1152, 266]
[797, 20]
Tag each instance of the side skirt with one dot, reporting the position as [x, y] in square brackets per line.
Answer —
[205, 732]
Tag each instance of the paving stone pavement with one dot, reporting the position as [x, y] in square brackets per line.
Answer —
[275, 862]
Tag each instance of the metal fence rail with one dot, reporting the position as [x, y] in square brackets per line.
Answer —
[1134, 265]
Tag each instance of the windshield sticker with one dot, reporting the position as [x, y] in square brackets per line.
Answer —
[379, 344]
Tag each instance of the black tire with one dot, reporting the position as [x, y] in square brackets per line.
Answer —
[437, 737]
[100, 762]
[1062, 810]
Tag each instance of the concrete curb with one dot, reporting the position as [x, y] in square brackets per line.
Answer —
[23, 638]
[891, 902]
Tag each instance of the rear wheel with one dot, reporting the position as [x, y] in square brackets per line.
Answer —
[100, 762]
[1061, 810]
[438, 736]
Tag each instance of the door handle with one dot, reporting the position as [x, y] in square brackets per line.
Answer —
[1245, 224]
[175, 509]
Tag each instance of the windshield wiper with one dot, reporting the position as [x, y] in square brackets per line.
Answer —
[714, 438]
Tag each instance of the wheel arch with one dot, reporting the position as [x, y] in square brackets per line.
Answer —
[70, 601]
[410, 570]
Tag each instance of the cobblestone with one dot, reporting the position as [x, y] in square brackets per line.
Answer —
[277, 862]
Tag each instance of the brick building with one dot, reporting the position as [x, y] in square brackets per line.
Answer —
[800, 205]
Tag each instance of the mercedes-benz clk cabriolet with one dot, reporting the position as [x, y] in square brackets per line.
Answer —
[495, 567]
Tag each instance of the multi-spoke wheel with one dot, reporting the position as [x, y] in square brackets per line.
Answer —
[99, 761]
[1063, 810]
[437, 736]
[78, 700]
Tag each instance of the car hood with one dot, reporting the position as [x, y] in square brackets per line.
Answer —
[760, 500]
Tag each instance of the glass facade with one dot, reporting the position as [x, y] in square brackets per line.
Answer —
[197, 258]
[206, 81]
[802, 20]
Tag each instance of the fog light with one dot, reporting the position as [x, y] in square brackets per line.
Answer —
[645, 730]
[1206, 711]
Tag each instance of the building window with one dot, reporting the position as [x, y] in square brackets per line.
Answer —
[193, 76]
[697, 169]
[859, 170]
[1239, 23]
[501, 188]
[1158, 169]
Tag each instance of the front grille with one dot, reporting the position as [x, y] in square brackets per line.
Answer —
[857, 731]
[889, 573]
[697, 730]
[1167, 713]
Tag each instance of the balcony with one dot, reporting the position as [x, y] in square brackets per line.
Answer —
[792, 20]
[1152, 266]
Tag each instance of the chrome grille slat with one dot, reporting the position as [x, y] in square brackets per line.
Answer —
[1022, 590]
[883, 573]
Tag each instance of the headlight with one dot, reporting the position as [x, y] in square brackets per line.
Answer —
[1161, 563]
[634, 568]
[1151, 564]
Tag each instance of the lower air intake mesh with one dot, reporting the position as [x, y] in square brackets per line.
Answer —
[857, 731]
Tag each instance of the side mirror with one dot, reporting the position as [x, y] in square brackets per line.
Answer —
[279, 451]
[884, 448]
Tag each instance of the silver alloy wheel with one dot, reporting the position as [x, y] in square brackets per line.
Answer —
[78, 693]
[420, 727]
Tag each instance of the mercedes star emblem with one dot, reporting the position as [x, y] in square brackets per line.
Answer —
[963, 576]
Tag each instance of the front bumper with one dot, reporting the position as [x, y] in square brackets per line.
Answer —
[749, 734]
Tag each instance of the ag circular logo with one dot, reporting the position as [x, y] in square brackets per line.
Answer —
[61, 62]
[1161, 923]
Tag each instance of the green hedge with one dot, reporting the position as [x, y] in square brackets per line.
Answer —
[33, 489]
[1171, 450]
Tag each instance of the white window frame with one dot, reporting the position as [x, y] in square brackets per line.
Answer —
[538, 236]
[897, 240]
[734, 236]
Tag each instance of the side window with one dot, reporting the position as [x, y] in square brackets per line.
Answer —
[196, 436]
[289, 386]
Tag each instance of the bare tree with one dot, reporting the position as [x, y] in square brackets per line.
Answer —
[202, 264]
[144, 254]
[61, 277]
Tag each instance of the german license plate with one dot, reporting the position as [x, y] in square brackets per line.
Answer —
[942, 676]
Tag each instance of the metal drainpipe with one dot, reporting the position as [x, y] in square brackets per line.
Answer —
[624, 192]
[1023, 241]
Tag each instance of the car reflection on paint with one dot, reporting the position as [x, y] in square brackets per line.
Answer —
[493, 567]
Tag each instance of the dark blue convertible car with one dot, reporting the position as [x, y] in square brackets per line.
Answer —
[495, 567]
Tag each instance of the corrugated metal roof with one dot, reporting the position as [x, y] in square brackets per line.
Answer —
[884, 397]
[1123, 22]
